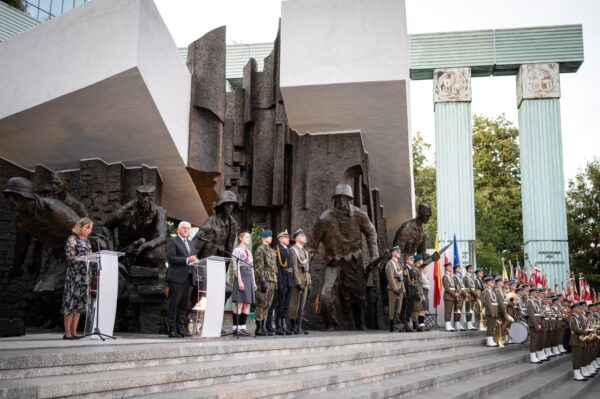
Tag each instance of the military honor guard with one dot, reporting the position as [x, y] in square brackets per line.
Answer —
[417, 262]
[478, 306]
[285, 282]
[450, 296]
[578, 325]
[265, 274]
[410, 273]
[472, 295]
[490, 302]
[301, 267]
[463, 294]
[395, 288]
[534, 321]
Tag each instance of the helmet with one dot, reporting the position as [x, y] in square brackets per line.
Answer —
[225, 196]
[21, 186]
[343, 189]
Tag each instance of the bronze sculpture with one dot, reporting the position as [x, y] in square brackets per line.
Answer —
[340, 230]
[59, 191]
[139, 229]
[411, 237]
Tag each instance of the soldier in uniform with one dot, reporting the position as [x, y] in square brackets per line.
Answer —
[502, 300]
[472, 295]
[265, 275]
[395, 287]
[461, 289]
[417, 262]
[341, 230]
[479, 287]
[409, 276]
[547, 325]
[285, 282]
[451, 295]
[490, 301]
[301, 268]
[577, 324]
[534, 321]
[60, 192]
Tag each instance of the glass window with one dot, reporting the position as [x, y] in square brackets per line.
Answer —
[79, 2]
[33, 2]
[45, 5]
[67, 5]
[32, 11]
[43, 16]
[56, 7]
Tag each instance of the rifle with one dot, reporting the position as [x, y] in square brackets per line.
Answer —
[374, 264]
[429, 259]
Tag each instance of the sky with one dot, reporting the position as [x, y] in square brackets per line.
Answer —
[254, 21]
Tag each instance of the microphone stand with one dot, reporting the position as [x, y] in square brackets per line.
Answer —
[222, 249]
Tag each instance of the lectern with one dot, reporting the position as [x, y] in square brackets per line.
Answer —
[210, 277]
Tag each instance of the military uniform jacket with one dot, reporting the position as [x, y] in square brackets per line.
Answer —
[523, 306]
[410, 280]
[534, 313]
[285, 270]
[460, 287]
[577, 324]
[502, 311]
[449, 288]
[479, 285]
[490, 301]
[300, 264]
[265, 266]
[393, 272]
[469, 284]
[419, 282]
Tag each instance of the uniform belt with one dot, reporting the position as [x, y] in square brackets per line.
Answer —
[537, 314]
[553, 318]
[245, 267]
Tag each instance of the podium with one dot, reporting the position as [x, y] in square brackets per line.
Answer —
[210, 277]
[102, 313]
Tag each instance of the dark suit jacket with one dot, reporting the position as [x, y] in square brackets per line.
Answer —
[177, 255]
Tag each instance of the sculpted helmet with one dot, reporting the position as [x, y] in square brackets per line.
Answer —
[343, 189]
[20, 186]
[224, 197]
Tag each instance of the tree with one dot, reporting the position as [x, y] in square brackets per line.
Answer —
[583, 222]
[424, 178]
[497, 181]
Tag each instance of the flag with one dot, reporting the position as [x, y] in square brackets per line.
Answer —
[510, 267]
[456, 255]
[562, 291]
[519, 271]
[581, 288]
[595, 300]
[525, 278]
[537, 277]
[437, 277]
[504, 273]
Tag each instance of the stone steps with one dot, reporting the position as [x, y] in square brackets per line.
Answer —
[82, 358]
[517, 381]
[336, 377]
[109, 373]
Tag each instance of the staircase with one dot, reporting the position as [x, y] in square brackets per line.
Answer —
[353, 365]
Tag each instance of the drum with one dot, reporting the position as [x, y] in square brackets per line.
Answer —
[519, 332]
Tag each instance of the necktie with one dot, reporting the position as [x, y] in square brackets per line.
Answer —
[187, 246]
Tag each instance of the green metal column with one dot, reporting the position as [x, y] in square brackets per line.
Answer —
[454, 159]
[542, 177]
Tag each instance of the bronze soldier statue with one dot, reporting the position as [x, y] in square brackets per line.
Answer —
[340, 229]
[411, 237]
[60, 192]
[220, 229]
[139, 229]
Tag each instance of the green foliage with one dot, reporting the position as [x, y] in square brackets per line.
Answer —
[497, 180]
[171, 228]
[255, 237]
[496, 174]
[424, 178]
[583, 222]
[15, 3]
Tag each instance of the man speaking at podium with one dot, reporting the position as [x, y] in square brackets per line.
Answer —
[179, 277]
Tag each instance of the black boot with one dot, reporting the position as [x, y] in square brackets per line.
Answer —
[416, 327]
[284, 327]
[407, 326]
[293, 326]
[278, 329]
[299, 327]
[269, 327]
[260, 331]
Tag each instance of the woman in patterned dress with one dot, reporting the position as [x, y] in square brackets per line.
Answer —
[76, 284]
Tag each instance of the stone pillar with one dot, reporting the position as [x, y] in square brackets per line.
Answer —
[542, 179]
[454, 159]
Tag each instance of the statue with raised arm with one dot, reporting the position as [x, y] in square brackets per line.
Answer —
[340, 230]
[411, 237]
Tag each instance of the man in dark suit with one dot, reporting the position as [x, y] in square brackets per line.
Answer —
[179, 276]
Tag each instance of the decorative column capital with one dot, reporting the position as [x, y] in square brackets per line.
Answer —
[535, 81]
[451, 85]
